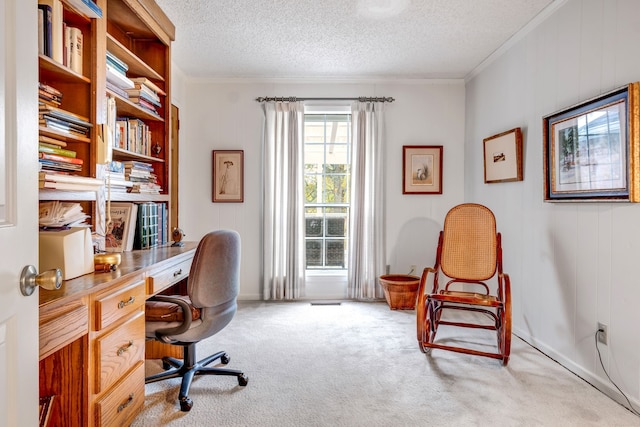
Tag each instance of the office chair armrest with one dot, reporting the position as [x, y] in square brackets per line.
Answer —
[164, 333]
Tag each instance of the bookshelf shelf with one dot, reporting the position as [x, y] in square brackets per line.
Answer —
[51, 70]
[139, 197]
[137, 67]
[129, 155]
[73, 15]
[66, 195]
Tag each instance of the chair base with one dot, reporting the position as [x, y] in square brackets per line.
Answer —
[502, 326]
[189, 367]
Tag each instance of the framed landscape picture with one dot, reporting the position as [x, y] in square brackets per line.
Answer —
[228, 176]
[591, 150]
[503, 157]
[422, 169]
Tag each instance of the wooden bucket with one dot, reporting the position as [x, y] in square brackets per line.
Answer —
[400, 290]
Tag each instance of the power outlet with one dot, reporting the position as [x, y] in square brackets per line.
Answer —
[603, 335]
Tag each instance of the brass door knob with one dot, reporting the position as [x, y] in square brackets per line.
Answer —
[29, 279]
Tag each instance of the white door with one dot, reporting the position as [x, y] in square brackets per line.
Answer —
[18, 211]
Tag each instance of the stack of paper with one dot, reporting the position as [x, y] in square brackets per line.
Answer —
[57, 214]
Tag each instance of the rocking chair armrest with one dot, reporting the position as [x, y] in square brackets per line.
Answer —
[423, 280]
[164, 333]
[505, 286]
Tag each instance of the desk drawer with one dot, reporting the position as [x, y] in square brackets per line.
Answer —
[63, 326]
[112, 307]
[119, 351]
[161, 279]
[120, 406]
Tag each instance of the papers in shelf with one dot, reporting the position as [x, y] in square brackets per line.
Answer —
[56, 214]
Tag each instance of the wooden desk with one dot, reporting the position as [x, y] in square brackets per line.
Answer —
[92, 340]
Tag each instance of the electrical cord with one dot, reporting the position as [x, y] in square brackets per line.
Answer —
[631, 408]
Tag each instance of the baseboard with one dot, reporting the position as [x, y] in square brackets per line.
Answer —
[601, 384]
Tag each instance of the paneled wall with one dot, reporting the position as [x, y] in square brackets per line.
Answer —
[224, 115]
[572, 264]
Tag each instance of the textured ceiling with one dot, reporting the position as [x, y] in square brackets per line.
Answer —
[353, 39]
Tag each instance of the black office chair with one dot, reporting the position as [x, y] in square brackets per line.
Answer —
[210, 305]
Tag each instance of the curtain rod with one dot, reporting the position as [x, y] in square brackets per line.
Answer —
[295, 99]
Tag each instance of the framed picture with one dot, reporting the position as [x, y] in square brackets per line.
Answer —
[228, 176]
[503, 157]
[422, 169]
[591, 150]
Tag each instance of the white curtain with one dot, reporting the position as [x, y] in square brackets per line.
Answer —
[367, 257]
[283, 266]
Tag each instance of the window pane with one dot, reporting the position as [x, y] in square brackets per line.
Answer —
[327, 168]
[335, 189]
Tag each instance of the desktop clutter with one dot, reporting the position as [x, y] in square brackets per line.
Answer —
[65, 242]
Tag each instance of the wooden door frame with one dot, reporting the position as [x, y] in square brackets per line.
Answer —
[174, 161]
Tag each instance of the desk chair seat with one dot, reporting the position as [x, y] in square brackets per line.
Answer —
[210, 305]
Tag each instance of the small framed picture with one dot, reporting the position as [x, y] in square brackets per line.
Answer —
[228, 176]
[422, 169]
[591, 149]
[503, 157]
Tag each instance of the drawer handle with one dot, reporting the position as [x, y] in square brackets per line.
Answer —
[123, 304]
[177, 273]
[125, 348]
[125, 404]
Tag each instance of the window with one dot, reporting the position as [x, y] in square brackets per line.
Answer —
[327, 151]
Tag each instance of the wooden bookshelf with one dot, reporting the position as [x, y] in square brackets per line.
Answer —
[139, 34]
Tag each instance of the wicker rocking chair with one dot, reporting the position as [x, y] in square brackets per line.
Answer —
[467, 276]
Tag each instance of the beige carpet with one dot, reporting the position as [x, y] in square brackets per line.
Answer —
[358, 364]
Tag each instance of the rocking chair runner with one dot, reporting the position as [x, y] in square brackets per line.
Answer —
[469, 256]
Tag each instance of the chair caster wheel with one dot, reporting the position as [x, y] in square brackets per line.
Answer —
[225, 359]
[242, 380]
[186, 404]
[165, 366]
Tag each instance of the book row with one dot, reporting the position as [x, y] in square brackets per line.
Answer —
[56, 39]
[136, 226]
[133, 135]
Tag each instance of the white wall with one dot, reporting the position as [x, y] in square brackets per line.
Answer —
[224, 115]
[571, 264]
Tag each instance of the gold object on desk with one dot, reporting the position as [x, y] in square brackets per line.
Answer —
[106, 262]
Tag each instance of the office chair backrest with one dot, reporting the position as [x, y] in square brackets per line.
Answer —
[213, 283]
[469, 243]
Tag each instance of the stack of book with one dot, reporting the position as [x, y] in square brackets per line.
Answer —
[56, 180]
[133, 135]
[56, 214]
[63, 121]
[115, 178]
[117, 80]
[141, 175]
[146, 94]
[56, 162]
[49, 95]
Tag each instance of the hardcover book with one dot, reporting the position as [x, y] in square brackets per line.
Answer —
[56, 44]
